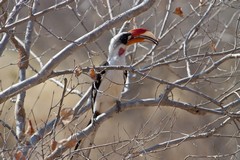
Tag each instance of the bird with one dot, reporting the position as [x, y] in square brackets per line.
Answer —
[108, 84]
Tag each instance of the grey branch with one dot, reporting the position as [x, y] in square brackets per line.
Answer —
[160, 102]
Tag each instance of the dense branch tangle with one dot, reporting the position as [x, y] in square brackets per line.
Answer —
[185, 89]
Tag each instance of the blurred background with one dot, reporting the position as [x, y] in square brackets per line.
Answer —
[133, 130]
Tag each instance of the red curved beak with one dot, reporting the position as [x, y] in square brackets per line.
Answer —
[142, 35]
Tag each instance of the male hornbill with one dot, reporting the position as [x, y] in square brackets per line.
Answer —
[108, 85]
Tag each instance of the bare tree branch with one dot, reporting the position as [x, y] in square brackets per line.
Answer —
[67, 51]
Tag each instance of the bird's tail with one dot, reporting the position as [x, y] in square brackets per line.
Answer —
[85, 144]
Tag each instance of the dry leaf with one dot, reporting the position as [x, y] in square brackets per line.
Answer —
[92, 74]
[53, 145]
[178, 11]
[19, 156]
[213, 47]
[70, 143]
[30, 130]
[66, 115]
[23, 56]
[77, 71]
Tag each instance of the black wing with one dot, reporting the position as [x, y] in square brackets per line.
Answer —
[125, 74]
[95, 86]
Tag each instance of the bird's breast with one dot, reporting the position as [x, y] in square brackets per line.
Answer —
[113, 83]
[110, 90]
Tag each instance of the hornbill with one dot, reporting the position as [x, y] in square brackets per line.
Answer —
[108, 85]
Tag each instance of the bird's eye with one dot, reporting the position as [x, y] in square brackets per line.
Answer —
[124, 38]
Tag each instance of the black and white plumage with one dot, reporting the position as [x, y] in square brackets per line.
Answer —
[106, 90]
[108, 85]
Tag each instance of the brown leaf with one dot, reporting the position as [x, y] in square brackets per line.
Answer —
[70, 143]
[53, 145]
[77, 71]
[178, 11]
[19, 156]
[30, 130]
[23, 61]
[66, 115]
[92, 74]
[213, 46]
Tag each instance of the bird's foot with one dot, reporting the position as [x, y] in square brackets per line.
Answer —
[132, 68]
[93, 120]
[118, 105]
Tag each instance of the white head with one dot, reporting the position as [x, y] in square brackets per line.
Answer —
[120, 42]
